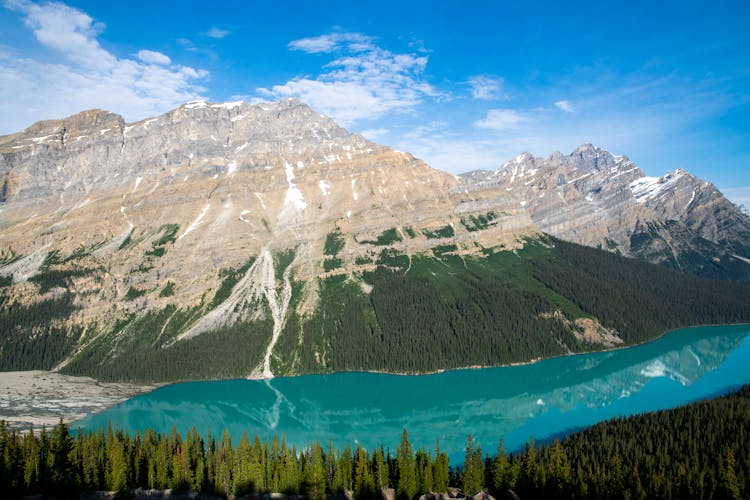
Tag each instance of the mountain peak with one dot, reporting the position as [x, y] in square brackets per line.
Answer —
[84, 120]
[587, 146]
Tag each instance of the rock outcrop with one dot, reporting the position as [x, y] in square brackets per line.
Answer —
[599, 199]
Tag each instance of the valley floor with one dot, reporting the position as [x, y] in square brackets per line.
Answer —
[31, 399]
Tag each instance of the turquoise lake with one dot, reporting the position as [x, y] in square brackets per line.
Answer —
[544, 399]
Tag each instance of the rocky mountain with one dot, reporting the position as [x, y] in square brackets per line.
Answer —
[265, 239]
[598, 199]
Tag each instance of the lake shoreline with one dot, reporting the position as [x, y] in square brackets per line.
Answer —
[30, 396]
[540, 399]
[33, 399]
[481, 367]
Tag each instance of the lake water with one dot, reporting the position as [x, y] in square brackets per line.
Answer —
[543, 399]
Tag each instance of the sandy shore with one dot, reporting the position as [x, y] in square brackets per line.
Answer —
[30, 399]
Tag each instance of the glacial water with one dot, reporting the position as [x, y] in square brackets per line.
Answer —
[544, 399]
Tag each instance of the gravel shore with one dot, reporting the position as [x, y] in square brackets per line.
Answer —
[31, 399]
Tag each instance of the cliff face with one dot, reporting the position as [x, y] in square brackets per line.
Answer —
[598, 199]
[233, 178]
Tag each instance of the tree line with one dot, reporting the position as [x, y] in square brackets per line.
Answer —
[695, 451]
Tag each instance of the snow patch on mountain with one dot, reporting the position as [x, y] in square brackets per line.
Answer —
[648, 188]
[293, 194]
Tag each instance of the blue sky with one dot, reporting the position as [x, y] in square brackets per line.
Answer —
[463, 85]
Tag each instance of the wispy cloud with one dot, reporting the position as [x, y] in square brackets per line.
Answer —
[565, 106]
[435, 129]
[87, 75]
[486, 87]
[217, 33]
[738, 195]
[331, 42]
[363, 82]
[452, 152]
[152, 57]
[501, 119]
[373, 134]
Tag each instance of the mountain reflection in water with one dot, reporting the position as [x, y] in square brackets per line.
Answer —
[545, 399]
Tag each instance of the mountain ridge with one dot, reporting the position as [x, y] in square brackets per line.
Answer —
[241, 222]
[605, 200]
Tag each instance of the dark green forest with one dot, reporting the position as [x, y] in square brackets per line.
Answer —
[694, 451]
[415, 314]
[425, 313]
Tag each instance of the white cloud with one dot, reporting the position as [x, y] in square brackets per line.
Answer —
[455, 156]
[151, 57]
[217, 33]
[365, 82]
[738, 195]
[486, 87]
[332, 41]
[435, 129]
[501, 119]
[373, 134]
[66, 30]
[565, 106]
[86, 75]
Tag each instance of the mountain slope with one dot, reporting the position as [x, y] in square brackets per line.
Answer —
[231, 239]
[598, 199]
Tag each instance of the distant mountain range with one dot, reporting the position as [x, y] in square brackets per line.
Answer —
[599, 199]
[259, 239]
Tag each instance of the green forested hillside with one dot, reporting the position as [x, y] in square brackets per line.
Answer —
[428, 313]
[695, 451]
[413, 313]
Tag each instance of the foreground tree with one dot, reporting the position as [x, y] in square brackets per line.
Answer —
[407, 480]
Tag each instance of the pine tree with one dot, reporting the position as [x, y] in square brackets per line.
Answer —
[473, 471]
[257, 466]
[440, 470]
[224, 461]
[528, 475]
[241, 467]
[424, 472]
[380, 469]
[288, 477]
[729, 487]
[407, 481]
[118, 466]
[61, 470]
[559, 470]
[315, 473]
[501, 470]
[364, 483]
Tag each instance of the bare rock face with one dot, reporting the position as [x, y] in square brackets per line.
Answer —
[599, 199]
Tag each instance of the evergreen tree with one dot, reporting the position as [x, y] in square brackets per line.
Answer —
[380, 469]
[423, 464]
[501, 470]
[364, 483]
[241, 467]
[62, 473]
[559, 470]
[440, 470]
[407, 480]
[224, 461]
[473, 471]
[528, 474]
[729, 487]
[315, 473]
[118, 466]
